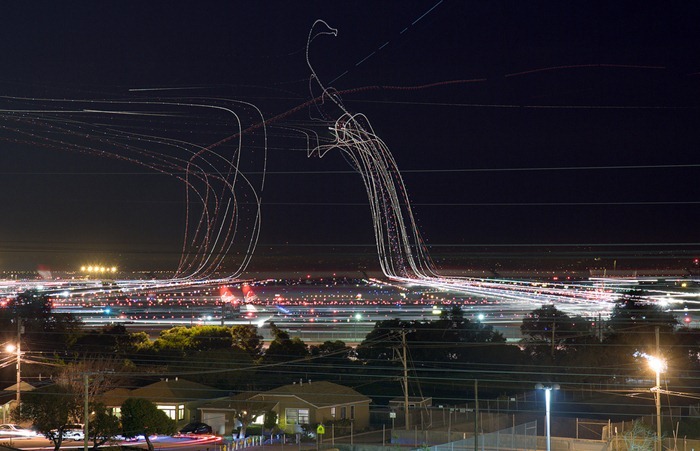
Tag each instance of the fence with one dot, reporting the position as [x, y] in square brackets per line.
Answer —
[522, 437]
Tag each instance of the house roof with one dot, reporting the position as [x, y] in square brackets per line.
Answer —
[318, 394]
[24, 386]
[238, 402]
[175, 390]
[115, 397]
[10, 393]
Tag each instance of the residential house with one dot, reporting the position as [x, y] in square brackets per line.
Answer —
[8, 396]
[305, 403]
[178, 398]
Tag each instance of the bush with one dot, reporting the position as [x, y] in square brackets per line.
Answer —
[253, 429]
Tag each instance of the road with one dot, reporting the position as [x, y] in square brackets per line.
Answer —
[163, 443]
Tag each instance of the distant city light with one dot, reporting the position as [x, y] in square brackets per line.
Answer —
[98, 269]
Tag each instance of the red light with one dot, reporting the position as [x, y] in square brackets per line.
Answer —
[686, 319]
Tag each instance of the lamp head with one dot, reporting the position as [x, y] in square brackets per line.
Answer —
[657, 364]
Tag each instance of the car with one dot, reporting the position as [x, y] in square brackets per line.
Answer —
[73, 432]
[15, 430]
[196, 428]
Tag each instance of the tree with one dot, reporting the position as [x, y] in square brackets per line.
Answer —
[467, 341]
[208, 338]
[634, 320]
[246, 410]
[101, 377]
[246, 338]
[44, 330]
[632, 326]
[380, 343]
[639, 438]
[141, 416]
[283, 348]
[200, 338]
[270, 422]
[549, 334]
[113, 340]
[449, 338]
[336, 349]
[227, 369]
[103, 427]
[50, 409]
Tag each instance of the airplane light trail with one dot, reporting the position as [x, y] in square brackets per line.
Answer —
[217, 148]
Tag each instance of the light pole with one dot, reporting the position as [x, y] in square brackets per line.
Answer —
[547, 401]
[658, 365]
[18, 352]
[358, 317]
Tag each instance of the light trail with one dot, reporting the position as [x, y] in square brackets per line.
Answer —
[223, 187]
[217, 148]
[403, 255]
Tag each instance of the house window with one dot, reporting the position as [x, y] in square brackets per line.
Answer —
[352, 412]
[170, 411]
[117, 412]
[333, 412]
[297, 416]
[181, 412]
[343, 413]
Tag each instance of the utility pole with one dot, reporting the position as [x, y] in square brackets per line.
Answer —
[86, 404]
[19, 362]
[405, 379]
[86, 411]
[658, 394]
[554, 329]
[476, 415]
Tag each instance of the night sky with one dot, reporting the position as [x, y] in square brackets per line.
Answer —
[570, 128]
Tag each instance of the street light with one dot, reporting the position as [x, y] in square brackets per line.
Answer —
[358, 318]
[547, 401]
[658, 365]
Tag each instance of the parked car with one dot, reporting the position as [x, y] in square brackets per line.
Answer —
[73, 432]
[196, 428]
[15, 430]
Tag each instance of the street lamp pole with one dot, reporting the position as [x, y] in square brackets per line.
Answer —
[547, 403]
[19, 374]
[658, 410]
[19, 362]
[15, 349]
[658, 365]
